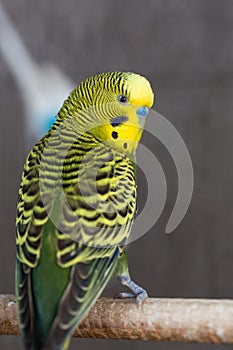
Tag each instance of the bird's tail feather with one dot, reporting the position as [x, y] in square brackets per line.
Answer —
[86, 284]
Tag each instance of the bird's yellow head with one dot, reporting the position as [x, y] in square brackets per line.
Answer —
[115, 104]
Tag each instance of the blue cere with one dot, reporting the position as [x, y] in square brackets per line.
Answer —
[142, 112]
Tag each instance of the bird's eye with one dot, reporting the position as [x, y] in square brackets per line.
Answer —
[122, 99]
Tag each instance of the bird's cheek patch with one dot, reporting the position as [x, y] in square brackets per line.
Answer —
[117, 121]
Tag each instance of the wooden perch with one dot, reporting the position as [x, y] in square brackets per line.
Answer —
[185, 320]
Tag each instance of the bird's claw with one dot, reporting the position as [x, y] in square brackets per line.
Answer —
[141, 296]
[125, 295]
[137, 292]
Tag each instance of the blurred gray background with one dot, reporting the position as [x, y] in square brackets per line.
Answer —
[185, 49]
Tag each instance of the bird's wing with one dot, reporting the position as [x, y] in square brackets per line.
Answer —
[90, 245]
[30, 220]
[25, 303]
[87, 233]
[31, 212]
[98, 206]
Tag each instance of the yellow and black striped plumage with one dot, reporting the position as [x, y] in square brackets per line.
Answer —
[76, 205]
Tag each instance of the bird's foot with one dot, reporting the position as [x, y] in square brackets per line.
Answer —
[137, 292]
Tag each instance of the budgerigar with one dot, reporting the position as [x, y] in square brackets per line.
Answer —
[76, 206]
